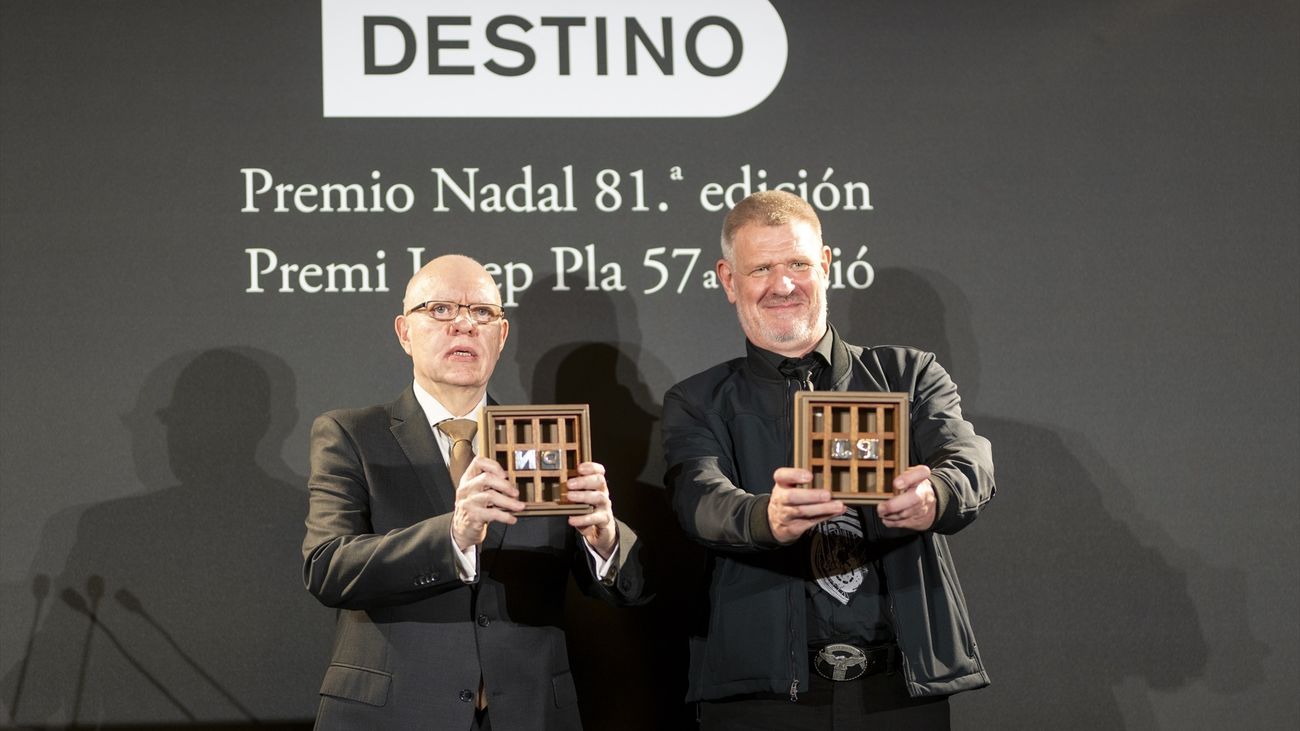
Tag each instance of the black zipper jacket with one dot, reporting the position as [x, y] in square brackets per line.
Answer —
[726, 430]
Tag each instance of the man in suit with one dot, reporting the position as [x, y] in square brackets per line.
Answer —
[451, 607]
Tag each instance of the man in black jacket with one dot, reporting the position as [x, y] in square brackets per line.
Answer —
[819, 613]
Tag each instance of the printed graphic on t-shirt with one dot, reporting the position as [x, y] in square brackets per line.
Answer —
[837, 557]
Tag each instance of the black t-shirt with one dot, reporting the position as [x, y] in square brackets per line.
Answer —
[838, 547]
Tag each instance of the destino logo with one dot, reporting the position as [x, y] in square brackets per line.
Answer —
[559, 58]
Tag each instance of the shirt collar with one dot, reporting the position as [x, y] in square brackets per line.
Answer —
[436, 413]
[822, 351]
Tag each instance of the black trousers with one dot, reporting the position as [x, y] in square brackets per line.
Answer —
[876, 702]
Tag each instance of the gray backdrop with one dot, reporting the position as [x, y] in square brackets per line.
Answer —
[1087, 209]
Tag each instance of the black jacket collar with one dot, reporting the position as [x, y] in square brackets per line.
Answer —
[763, 364]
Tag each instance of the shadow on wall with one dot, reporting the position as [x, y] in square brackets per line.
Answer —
[629, 664]
[182, 604]
[1069, 602]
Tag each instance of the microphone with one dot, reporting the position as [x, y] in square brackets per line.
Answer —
[79, 604]
[132, 604]
[95, 589]
[40, 590]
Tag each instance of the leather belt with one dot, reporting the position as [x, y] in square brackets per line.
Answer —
[841, 661]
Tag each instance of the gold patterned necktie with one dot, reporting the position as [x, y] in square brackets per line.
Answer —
[461, 432]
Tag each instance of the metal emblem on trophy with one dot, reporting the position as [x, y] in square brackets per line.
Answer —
[853, 442]
[540, 447]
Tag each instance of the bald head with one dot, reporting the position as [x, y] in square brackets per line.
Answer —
[448, 273]
[452, 359]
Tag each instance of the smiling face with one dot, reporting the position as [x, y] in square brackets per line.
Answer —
[777, 277]
[452, 360]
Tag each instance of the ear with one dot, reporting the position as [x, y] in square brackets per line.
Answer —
[403, 330]
[826, 260]
[505, 333]
[724, 275]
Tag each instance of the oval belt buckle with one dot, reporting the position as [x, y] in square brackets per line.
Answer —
[840, 662]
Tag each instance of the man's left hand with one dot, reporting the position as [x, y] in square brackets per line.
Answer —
[598, 526]
[913, 505]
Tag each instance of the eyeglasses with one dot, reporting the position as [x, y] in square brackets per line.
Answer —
[480, 312]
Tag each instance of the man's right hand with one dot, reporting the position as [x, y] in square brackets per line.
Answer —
[484, 495]
[794, 509]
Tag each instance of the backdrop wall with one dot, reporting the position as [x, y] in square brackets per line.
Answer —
[1087, 210]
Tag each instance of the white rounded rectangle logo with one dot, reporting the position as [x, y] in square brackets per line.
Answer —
[562, 58]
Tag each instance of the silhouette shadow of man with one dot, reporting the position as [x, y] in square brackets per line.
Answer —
[1067, 600]
[182, 603]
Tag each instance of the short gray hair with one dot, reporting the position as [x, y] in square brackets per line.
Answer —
[767, 208]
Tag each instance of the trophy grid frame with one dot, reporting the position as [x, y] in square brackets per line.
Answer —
[829, 423]
[508, 434]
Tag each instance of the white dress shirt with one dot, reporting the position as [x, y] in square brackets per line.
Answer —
[436, 413]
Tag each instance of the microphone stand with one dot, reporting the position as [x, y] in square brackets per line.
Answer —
[95, 589]
[40, 589]
[132, 603]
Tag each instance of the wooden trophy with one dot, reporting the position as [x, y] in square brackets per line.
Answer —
[541, 448]
[854, 442]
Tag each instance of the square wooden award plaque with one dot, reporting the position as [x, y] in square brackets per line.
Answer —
[541, 448]
[854, 442]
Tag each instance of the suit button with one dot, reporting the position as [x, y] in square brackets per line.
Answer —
[466, 696]
[483, 620]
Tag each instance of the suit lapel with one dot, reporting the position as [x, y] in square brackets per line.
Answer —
[410, 427]
[496, 535]
[496, 532]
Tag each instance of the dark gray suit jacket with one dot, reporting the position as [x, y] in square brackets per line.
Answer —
[412, 638]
